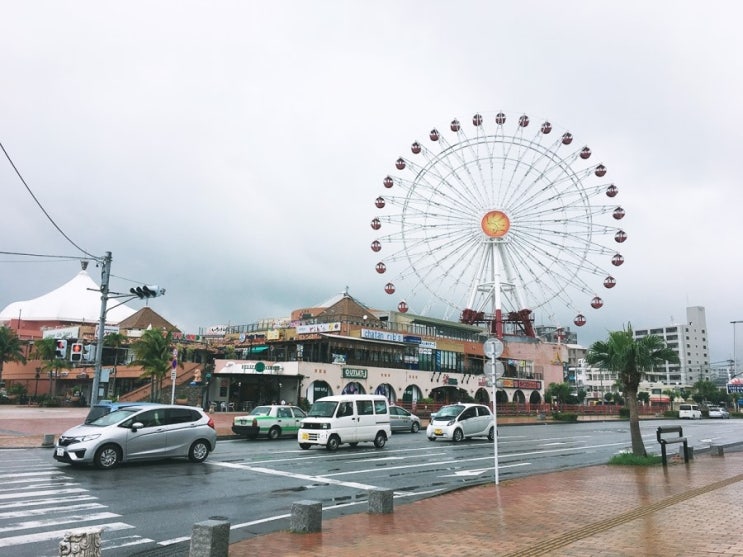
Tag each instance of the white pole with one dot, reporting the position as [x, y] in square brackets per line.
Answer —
[495, 423]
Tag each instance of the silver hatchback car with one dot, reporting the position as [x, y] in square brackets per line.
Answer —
[137, 433]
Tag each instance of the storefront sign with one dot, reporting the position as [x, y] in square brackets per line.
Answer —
[354, 373]
[510, 383]
[381, 335]
[319, 328]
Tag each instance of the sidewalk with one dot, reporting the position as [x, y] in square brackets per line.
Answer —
[604, 511]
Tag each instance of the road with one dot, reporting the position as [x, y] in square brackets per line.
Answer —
[254, 483]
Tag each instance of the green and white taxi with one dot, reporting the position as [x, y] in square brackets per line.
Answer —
[272, 421]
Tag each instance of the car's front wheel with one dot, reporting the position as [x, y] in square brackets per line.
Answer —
[274, 433]
[415, 428]
[199, 451]
[107, 457]
[491, 434]
[457, 436]
[333, 443]
[304, 446]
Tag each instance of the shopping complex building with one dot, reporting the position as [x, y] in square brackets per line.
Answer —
[339, 346]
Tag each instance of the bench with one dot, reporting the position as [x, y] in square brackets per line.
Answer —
[661, 431]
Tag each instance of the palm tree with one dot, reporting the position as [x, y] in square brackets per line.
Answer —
[630, 358]
[46, 350]
[11, 348]
[153, 352]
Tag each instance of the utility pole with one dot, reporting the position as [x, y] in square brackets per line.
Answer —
[105, 276]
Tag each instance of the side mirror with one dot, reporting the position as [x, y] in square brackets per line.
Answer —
[136, 426]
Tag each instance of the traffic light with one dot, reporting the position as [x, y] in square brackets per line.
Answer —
[76, 352]
[61, 350]
[147, 291]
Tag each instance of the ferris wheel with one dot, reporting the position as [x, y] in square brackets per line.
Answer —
[498, 221]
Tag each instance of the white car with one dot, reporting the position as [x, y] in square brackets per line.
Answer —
[402, 420]
[132, 433]
[272, 421]
[457, 422]
[689, 412]
[717, 412]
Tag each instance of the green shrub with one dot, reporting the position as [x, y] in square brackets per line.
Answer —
[671, 414]
[51, 402]
[624, 413]
[565, 416]
[628, 459]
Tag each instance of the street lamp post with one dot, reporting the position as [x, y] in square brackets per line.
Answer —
[735, 361]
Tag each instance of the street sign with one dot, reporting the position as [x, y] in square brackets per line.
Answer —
[493, 348]
[494, 369]
[172, 375]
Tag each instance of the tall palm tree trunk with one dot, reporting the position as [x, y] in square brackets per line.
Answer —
[638, 446]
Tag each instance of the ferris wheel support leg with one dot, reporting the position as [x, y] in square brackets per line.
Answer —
[498, 324]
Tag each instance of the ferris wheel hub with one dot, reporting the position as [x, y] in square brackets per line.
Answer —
[495, 224]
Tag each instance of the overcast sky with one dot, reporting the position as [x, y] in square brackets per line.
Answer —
[230, 152]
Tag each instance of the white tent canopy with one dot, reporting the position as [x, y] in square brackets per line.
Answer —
[78, 301]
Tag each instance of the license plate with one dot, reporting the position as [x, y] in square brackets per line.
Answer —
[305, 436]
[438, 432]
[60, 452]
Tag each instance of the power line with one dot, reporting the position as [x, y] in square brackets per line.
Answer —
[51, 220]
[65, 257]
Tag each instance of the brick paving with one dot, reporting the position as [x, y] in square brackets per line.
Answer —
[598, 511]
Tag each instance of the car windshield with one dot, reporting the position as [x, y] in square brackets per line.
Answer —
[260, 411]
[449, 411]
[324, 409]
[96, 412]
[115, 417]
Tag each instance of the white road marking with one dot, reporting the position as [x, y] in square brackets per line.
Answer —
[41, 512]
[57, 534]
[306, 477]
[26, 495]
[57, 521]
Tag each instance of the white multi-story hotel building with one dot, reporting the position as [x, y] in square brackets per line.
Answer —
[689, 340]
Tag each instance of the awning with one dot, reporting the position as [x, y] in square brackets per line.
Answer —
[257, 349]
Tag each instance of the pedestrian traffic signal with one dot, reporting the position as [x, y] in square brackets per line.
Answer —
[76, 352]
[61, 350]
[147, 291]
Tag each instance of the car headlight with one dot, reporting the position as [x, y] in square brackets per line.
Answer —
[91, 437]
[326, 426]
[450, 423]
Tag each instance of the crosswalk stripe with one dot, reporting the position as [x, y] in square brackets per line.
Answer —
[58, 534]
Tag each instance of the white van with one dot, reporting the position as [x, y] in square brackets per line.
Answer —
[351, 419]
[690, 412]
